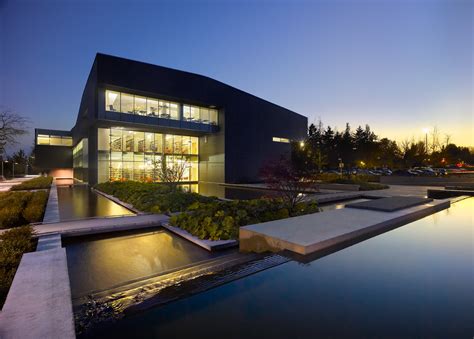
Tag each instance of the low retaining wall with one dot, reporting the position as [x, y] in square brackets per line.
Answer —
[210, 245]
[428, 181]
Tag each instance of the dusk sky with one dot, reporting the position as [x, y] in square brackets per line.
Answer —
[396, 65]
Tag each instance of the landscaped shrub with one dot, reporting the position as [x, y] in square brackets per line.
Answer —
[35, 207]
[222, 219]
[151, 197]
[35, 183]
[363, 185]
[20, 208]
[13, 244]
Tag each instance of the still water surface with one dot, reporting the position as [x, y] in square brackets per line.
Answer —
[80, 202]
[414, 281]
[103, 261]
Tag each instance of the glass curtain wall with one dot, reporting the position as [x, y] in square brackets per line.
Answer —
[135, 104]
[133, 155]
[80, 160]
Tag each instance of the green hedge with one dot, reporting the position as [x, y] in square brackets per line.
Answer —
[363, 185]
[20, 208]
[220, 220]
[35, 183]
[152, 197]
[13, 244]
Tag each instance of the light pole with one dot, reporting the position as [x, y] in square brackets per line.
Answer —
[2, 166]
[14, 163]
[426, 130]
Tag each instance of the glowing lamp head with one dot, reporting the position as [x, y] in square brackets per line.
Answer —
[425, 130]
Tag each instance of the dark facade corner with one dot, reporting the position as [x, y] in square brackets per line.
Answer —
[134, 114]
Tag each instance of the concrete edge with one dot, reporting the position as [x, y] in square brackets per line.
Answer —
[118, 201]
[105, 229]
[210, 245]
[379, 228]
[35, 306]
[262, 242]
[51, 211]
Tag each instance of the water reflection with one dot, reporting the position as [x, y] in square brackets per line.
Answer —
[226, 192]
[101, 262]
[414, 281]
[80, 202]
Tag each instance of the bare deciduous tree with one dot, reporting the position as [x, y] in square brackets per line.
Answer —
[170, 174]
[447, 139]
[290, 183]
[12, 125]
[435, 144]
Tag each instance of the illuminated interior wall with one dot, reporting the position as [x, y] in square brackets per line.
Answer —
[133, 155]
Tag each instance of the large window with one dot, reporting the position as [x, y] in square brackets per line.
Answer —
[135, 104]
[53, 140]
[133, 155]
[112, 101]
[200, 114]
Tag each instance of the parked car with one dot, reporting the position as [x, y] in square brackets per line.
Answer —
[441, 171]
[428, 171]
[405, 173]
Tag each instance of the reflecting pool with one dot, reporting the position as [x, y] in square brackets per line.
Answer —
[104, 261]
[78, 202]
[414, 281]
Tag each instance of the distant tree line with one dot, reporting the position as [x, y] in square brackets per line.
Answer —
[327, 148]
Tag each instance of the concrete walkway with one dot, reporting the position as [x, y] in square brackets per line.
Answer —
[39, 303]
[52, 207]
[7, 184]
[314, 232]
[101, 225]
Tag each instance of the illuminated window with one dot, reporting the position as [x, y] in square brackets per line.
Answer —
[133, 155]
[112, 101]
[53, 140]
[284, 140]
[135, 104]
[140, 105]
[152, 107]
[126, 103]
[42, 139]
[213, 116]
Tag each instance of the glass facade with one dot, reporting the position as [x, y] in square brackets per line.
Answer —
[134, 155]
[200, 114]
[80, 160]
[53, 140]
[284, 140]
[135, 104]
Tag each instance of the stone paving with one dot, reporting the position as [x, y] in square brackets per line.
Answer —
[51, 213]
[39, 303]
[314, 232]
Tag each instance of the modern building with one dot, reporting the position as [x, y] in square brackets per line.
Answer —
[135, 117]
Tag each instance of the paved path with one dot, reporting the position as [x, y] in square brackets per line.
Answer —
[52, 207]
[39, 303]
[7, 184]
[101, 225]
[314, 232]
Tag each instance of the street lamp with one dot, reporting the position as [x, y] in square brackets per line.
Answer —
[426, 130]
[14, 163]
[2, 166]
